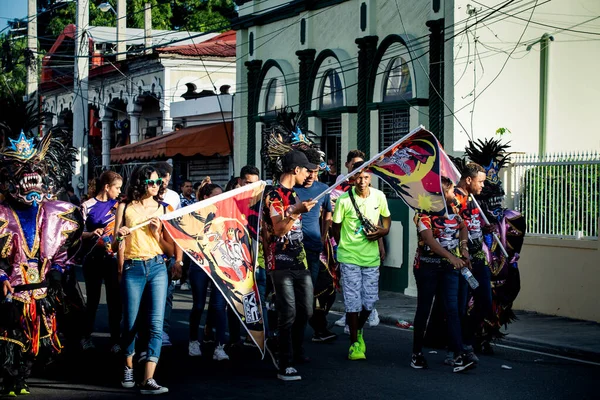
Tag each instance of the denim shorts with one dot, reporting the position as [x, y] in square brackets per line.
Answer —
[360, 286]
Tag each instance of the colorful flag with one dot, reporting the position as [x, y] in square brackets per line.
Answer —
[413, 167]
[220, 235]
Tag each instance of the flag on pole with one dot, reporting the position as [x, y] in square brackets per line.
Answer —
[220, 235]
[413, 167]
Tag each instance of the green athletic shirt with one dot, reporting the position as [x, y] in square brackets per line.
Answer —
[354, 248]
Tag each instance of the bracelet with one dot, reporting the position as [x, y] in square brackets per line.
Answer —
[119, 239]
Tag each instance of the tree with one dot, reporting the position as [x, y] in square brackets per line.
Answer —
[203, 15]
[13, 76]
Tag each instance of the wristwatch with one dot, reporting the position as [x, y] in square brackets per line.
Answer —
[180, 263]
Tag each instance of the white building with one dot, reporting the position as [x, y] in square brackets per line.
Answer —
[130, 101]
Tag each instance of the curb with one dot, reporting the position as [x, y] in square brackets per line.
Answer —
[550, 348]
[521, 342]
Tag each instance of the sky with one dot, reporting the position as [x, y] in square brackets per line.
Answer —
[11, 9]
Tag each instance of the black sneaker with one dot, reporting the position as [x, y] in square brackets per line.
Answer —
[128, 381]
[289, 374]
[151, 387]
[418, 361]
[460, 364]
[326, 336]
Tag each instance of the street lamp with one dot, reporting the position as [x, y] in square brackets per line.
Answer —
[105, 7]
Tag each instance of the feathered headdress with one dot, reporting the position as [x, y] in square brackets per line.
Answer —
[284, 136]
[460, 163]
[491, 154]
[54, 149]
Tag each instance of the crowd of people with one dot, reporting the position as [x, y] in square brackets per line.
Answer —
[311, 247]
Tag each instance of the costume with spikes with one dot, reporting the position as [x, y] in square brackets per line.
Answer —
[279, 139]
[510, 225]
[38, 239]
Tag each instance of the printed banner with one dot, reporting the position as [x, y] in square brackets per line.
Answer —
[413, 167]
[220, 235]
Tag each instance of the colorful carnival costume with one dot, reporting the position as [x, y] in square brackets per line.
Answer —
[38, 239]
[510, 227]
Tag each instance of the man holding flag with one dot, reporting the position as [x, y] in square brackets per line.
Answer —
[286, 260]
[354, 227]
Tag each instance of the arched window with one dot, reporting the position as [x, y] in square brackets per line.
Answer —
[332, 92]
[398, 83]
[275, 99]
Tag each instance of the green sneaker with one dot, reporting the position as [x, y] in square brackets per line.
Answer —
[361, 341]
[355, 352]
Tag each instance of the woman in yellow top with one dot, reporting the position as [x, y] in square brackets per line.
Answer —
[142, 267]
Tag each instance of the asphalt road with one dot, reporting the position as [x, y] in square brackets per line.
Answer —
[385, 374]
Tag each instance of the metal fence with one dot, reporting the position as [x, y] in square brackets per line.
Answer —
[559, 194]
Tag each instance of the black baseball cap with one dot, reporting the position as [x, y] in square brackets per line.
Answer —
[296, 158]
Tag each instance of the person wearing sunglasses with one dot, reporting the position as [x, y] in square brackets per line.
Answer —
[142, 268]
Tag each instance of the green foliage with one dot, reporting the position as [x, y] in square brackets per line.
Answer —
[202, 15]
[13, 75]
[561, 199]
[502, 131]
[193, 15]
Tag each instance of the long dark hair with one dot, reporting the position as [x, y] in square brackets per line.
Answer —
[137, 187]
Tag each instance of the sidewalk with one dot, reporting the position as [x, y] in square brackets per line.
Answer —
[532, 331]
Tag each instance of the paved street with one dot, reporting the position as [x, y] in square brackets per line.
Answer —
[385, 374]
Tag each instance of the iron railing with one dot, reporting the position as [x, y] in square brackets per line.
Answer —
[559, 194]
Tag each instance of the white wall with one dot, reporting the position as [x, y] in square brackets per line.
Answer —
[512, 100]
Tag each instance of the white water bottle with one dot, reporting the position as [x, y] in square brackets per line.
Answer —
[469, 277]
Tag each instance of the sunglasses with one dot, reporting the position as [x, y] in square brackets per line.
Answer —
[154, 182]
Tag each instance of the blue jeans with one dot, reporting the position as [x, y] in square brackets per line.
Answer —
[294, 301]
[139, 276]
[428, 277]
[482, 305]
[261, 284]
[199, 280]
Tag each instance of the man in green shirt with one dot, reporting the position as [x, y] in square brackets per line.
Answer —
[355, 229]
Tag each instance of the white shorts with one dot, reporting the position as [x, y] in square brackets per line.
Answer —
[360, 286]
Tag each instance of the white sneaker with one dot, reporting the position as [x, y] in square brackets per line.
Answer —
[219, 354]
[373, 320]
[347, 330]
[194, 349]
[341, 321]
[185, 286]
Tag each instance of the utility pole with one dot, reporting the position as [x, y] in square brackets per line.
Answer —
[148, 28]
[80, 100]
[32, 72]
[121, 26]
[544, 42]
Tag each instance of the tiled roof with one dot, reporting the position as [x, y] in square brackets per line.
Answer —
[222, 45]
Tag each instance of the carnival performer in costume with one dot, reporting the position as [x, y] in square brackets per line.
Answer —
[38, 240]
[510, 226]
